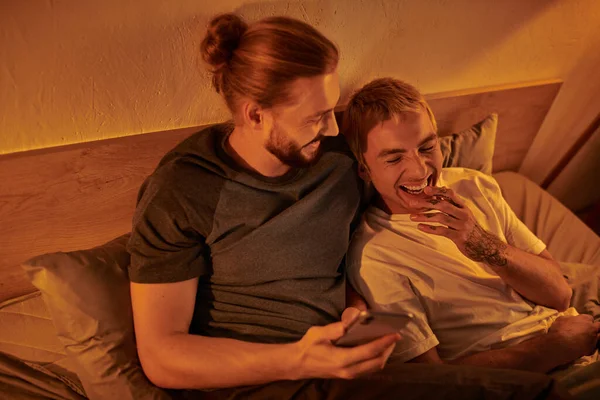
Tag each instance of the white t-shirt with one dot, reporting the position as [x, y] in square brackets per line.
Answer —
[460, 305]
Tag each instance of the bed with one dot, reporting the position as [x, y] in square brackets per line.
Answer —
[81, 196]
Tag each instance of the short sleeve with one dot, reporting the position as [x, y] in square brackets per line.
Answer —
[516, 232]
[166, 244]
[385, 289]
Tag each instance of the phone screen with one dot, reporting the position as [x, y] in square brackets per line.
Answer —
[371, 325]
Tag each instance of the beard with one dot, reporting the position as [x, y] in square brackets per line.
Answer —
[289, 152]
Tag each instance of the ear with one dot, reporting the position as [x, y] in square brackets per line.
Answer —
[253, 115]
[363, 172]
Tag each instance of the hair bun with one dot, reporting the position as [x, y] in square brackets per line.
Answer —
[222, 38]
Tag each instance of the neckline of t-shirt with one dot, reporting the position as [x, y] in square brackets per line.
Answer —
[378, 212]
[227, 129]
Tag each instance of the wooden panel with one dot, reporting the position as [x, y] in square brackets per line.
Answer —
[71, 197]
[572, 152]
[79, 196]
[521, 110]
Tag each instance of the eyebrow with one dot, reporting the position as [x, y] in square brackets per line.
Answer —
[387, 152]
[319, 113]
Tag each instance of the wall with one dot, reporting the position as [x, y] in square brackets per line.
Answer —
[574, 110]
[73, 71]
[578, 186]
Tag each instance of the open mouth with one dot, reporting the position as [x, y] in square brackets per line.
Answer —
[315, 142]
[416, 188]
[313, 145]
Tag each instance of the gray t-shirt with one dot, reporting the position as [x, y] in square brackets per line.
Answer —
[268, 252]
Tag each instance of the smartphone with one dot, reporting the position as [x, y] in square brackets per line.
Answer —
[371, 325]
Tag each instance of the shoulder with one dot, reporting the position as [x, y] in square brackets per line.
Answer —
[466, 181]
[453, 175]
[181, 178]
[202, 150]
[193, 163]
[373, 237]
[189, 177]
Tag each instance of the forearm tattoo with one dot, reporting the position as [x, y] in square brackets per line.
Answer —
[482, 246]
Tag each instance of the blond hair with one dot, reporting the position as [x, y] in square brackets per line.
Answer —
[376, 102]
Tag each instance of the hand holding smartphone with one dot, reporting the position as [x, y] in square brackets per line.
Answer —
[371, 325]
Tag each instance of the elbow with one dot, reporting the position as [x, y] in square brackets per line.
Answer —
[158, 378]
[155, 370]
[561, 299]
[565, 293]
[564, 301]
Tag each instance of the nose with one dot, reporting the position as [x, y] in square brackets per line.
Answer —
[417, 167]
[332, 128]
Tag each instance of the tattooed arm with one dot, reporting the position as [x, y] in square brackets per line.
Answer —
[536, 277]
[568, 339]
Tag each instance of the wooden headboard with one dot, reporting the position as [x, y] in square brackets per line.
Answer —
[82, 195]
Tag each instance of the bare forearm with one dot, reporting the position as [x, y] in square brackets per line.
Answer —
[198, 362]
[536, 278]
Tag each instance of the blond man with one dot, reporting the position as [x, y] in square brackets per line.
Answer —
[443, 244]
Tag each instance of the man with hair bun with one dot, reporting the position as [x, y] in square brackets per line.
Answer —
[239, 238]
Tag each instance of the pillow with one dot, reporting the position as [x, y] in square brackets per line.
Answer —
[29, 347]
[472, 148]
[87, 295]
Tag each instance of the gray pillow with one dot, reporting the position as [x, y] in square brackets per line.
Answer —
[87, 295]
[472, 148]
